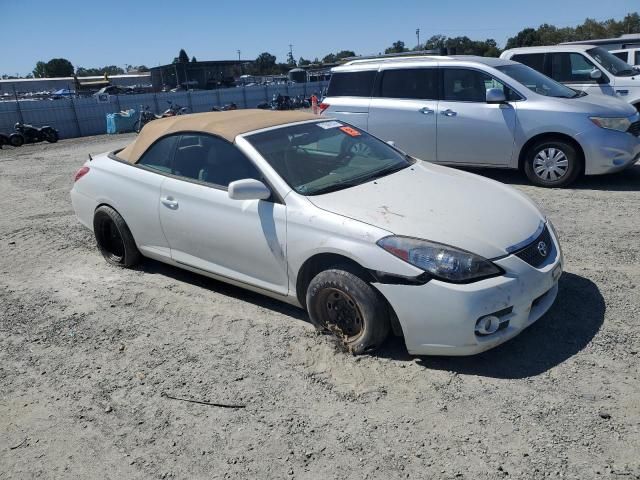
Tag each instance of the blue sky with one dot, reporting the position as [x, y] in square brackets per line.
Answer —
[92, 34]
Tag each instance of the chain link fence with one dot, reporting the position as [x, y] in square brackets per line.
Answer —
[79, 117]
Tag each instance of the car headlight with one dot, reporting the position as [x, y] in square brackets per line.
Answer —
[441, 261]
[621, 124]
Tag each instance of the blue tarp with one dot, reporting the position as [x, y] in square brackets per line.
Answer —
[121, 122]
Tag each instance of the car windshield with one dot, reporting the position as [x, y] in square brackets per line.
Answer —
[537, 82]
[611, 63]
[322, 157]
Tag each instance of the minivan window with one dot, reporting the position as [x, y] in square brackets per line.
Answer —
[533, 60]
[611, 63]
[410, 83]
[571, 67]
[351, 84]
[466, 85]
[621, 55]
[537, 82]
[637, 60]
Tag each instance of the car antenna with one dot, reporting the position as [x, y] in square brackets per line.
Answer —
[90, 158]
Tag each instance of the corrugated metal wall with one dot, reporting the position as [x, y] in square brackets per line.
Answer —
[79, 117]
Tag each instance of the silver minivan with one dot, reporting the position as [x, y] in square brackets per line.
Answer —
[489, 112]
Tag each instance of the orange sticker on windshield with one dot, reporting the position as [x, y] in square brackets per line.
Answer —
[350, 131]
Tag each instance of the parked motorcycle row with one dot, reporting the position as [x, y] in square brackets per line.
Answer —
[286, 102]
[24, 133]
[146, 115]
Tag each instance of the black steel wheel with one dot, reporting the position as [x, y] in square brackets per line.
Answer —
[114, 238]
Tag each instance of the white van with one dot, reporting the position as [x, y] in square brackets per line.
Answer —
[591, 69]
[485, 112]
[629, 55]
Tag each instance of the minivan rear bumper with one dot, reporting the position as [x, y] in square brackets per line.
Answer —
[608, 151]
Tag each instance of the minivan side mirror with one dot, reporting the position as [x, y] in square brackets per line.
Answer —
[391, 142]
[595, 74]
[248, 189]
[495, 95]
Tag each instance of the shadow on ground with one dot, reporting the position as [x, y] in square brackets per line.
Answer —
[627, 180]
[563, 331]
[180, 275]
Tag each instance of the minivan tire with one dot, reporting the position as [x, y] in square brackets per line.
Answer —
[340, 302]
[114, 238]
[563, 157]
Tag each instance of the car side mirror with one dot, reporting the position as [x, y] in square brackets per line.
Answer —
[248, 189]
[391, 142]
[595, 74]
[495, 95]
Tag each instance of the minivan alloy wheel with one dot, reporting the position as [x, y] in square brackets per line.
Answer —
[550, 164]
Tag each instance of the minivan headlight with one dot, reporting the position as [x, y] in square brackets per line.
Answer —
[441, 261]
[621, 124]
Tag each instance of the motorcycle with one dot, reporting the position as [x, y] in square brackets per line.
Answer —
[25, 133]
[146, 115]
[225, 108]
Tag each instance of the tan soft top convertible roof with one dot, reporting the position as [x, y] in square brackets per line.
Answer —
[227, 125]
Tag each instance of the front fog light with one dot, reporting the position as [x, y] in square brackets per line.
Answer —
[487, 325]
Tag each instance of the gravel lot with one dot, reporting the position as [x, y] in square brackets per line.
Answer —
[90, 356]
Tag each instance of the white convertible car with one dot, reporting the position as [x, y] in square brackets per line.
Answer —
[322, 215]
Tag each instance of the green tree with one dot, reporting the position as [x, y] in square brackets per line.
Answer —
[303, 62]
[265, 64]
[59, 67]
[397, 47]
[40, 70]
[182, 57]
[330, 58]
[345, 54]
[193, 59]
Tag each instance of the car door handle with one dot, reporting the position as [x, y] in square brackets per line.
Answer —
[449, 113]
[426, 111]
[169, 202]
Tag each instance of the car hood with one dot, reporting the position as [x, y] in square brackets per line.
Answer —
[594, 104]
[443, 205]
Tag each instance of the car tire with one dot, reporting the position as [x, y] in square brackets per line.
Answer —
[114, 238]
[16, 140]
[552, 163]
[340, 302]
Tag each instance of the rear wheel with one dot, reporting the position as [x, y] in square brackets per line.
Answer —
[51, 136]
[16, 140]
[340, 302]
[114, 238]
[552, 163]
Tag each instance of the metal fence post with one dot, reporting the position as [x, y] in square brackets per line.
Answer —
[218, 96]
[304, 89]
[266, 94]
[244, 95]
[75, 115]
[189, 101]
[155, 101]
[118, 102]
[15, 94]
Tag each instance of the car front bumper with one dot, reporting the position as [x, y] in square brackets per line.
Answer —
[608, 151]
[439, 318]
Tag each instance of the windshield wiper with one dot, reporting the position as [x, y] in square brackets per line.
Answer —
[332, 188]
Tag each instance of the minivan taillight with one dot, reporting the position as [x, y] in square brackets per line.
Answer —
[80, 173]
[323, 106]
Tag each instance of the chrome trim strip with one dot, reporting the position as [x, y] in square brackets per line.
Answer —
[528, 240]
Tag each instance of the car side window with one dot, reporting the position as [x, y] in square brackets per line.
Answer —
[159, 155]
[571, 67]
[637, 59]
[533, 60]
[410, 83]
[211, 160]
[466, 85]
[351, 84]
[621, 55]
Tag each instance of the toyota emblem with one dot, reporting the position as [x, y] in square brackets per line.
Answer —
[542, 249]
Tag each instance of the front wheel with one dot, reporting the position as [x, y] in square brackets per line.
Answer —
[16, 140]
[114, 238]
[552, 163]
[342, 303]
[51, 136]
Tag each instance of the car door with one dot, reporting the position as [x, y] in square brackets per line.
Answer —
[470, 130]
[403, 109]
[349, 95]
[243, 240]
[574, 70]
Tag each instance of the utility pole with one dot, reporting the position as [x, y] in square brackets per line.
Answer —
[238, 54]
[418, 35]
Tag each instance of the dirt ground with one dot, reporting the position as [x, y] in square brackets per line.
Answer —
[90, 356]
